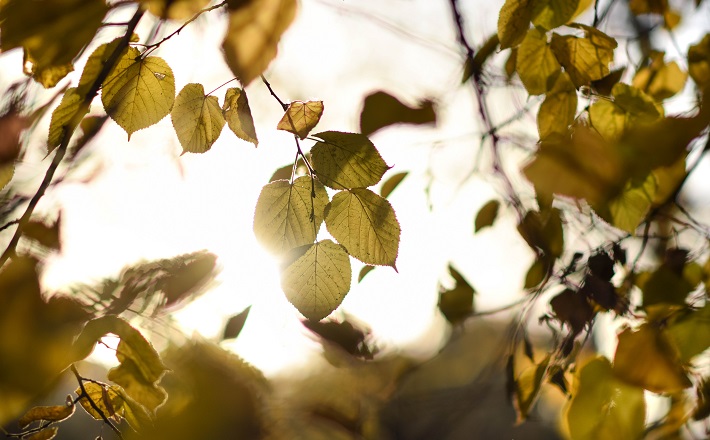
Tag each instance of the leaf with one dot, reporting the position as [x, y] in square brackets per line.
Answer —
[52, 34]
[365, 224]
[628, 209]
[486, 215]
[364, 271]
[646, 359]
[473, 68]
[380, 109]
[572, 309]
[631, 107]
[301, 117]
[538, 272]
[6, 173]
[235, 324]
[135, 414]
[558, 110]
[690, 333]
[549, 14]
[176, 9]
[106, 398]
[317, 282]
[456, 304]
[392, 183]
[514, 21]
[65, 118]
[527, 388]
[536, 64]
[603, 86]
[139, 386]
[346, 160]
[197, 119]
[346, 335]
[238, 115]
[603, 406]
[45, 434]
[542, 231]
[46, 413]
[138, 92]
[95, 64]
[47, 236]
[699, 62]
[253, 34]
[661, 82]
[585, 59]
[282, 219]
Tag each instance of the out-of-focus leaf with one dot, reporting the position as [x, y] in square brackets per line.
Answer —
[282, 219]
[474, 66]
[661, 82]
[65, 118]
[628, 209]
[558, 110]
[253, 34]
[45, 434]
[699, 62]
[301, 117]
[392, 183]
[690, 333]
[585, 59]
[542, 231]
[238, 115]
[346, 335]
[317, 282]
[514, 21]
[666, 285]
[136, 384]
[364, 271]
[527, 388]
[549, 14]
[456, 304]
[366, 225]
[235, 324]
[346, 160]
[380, 109]
[174, 9]
[187, 275]
[536, 63]
[573, 309]
[486, 215]
[537, 273]
[604, 85]
[197, 119]
[646, 359]
[106, 398]
[46, 413]
[631, 108]
[47, 236]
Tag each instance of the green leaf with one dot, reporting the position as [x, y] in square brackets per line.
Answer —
[456, 304]
[138, 92]
[106, 398]
[301, 117]
[558, 110]
[238, 115]
[549, 14]
[317, 282]
[65, 118]
[380, 109]
[690, 333]
[253, 34]
[585, 59]
[392, 183]
[366, 225]
[346, 160]
[46, 413]
[282, 219]
[536, 64]
[364, 271]
[235, 324]
[486, 215]
[603, 406]
[514, 21]
[197, 119]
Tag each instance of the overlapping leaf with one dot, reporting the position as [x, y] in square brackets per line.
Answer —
[549, 14]
[238, 115]
[317, 282]
[628, 209]
[366, 225]
[106, 398]
[346, 160]
[699, 62]
[585, 59]
[301, 117]
[139, 91]
[282, 219]
[661, 80]
[536, 64]
[527, 387]
[197, 119]
[690, 333]
[631, 107]
[558, 110]
[514, 21]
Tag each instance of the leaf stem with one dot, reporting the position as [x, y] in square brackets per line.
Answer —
[220, 86]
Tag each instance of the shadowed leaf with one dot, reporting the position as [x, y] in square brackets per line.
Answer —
[536, 64]
[585, 59]
[238, 115]
[514, 21]
[381, 109]
[391, 184]
[558, 110]
[456, 304]
[235, 324]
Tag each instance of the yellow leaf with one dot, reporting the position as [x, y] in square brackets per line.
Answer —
[346, 160]
[486, 215]
[136, 385]
[177, 9]
[631, 108]
[690, 333]
[49, 76]
[46, 413]
[549, 14]
[585, 59]
[6, 173]
[301, 117]
[52, 33]
[238, 115]
[366, 225]
[536, 64]
[65, 118]
[456, 304]
[639, 7]
[699, 62]
[282, 220]
[135, 414]
[138, 92]
[197, 119]
[527, 388]
[253, 34]
[106, 398]
[317, 282]
[661, 82]
[668, 179]
[628, 209]
[558, 110]
[645, 358]
[514, 21]
[95, 63]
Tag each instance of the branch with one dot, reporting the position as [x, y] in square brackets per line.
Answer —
[178, 30]
[93, 404]
[74, 122]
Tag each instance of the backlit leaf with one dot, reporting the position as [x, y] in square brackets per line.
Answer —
[176, 9]
[301, 117]
[456, 304]
[536, 64]
[558, 110]
[699, 62]
[631, 107]
[135, 414]
[690, 333]
[46, 413]
[549, 14]
[106, 398]
[628, 209]
[585, 59]
[486, 215]
[364, 271]
[603, 406]
[235, 324]
[136, 383]
[282, 219]
[572, 308]
[380, 109]
[514, 21]
[197, 119]
[366, 225]
[238, 115]
[392, 183]
[317, 282]
[603, 86]
[6, 173]
[253, 34]
[662, 82]
[646, 359]
[139, 91]
[65, 118]
[45, 434]
[95, 63]
[346, 160]
[527, 388]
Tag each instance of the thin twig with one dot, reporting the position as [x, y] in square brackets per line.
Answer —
[178, 30]
[92, 403]
[222, 85]
[284, 106]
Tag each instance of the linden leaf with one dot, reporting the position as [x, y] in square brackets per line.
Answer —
[558, 110]
[514, 21]
[486, 215]
[392, 183]
[176, 9]
[690, 333]
[197, 119]
[380, 109]
[135, 383]
[317, 282]
[585, 59]
[138, 92]
[282, 220]
[456, 304]
[366, 225]
[661, 82]
[45, 434]
[364, 271]
[628, 209]
[46, 413]
[536, 64]
[95, 63]
[65, 118]
[238, 115]
[346, 160]
[253, 35]
[106, 398]
[135, 414]
[603, 406]
[527, 388]
[645, 358]
[549, 14]
[699, 62]
[301, 117]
